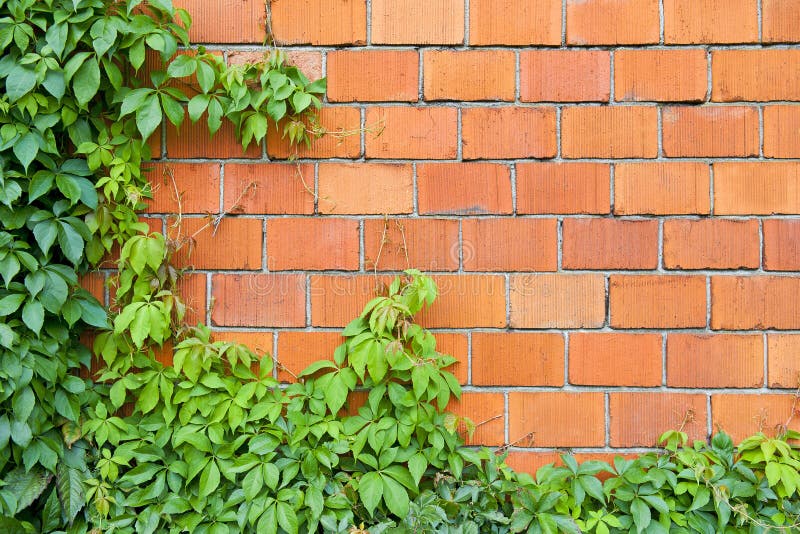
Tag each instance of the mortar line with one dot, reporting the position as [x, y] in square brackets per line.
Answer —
[661, 22]
[612, 87]
[420, 76]
[469, 357]
[708, 302]
[660, 268]
[566, 357]
[607, 414]
[612, 187]
[361, 247]
[760, 16]
[466, 23]
[512, 169]
[760, 131]
[664, 356]
[506, 438]
[564, 23]
[369, 22]
[275, 352]
[765, 340]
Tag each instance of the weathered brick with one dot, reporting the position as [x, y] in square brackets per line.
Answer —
[509, 22]
[557, 301]
[715, 361]
[226, 21]
[510, 244]
[340, 127]
[710, 21]
[609, 244]
[365, 188]
[781, 129]
[259, 300]
[639, 419]
[563, 188]
[425, 244]
[755, 75]
[312, 244]
[417, 22]
[556, 419]
[323, 23]
[609, 132]
[184, 187]
[663, 188]
[509, 132]
[671, 75]
[711, 244]
[194, 141]
[419, 133]
[517, 359]
[614, 359]
[373, 76]
[779, 21]
[611, 22]
[754, 302]
[713, 131]
[756, 188]
[463, 188]
[742, 415]
[269, 188]
[781, 244]
[783, 364]
[469, 75]
[205, 247]
[564, 75]
[654, 301]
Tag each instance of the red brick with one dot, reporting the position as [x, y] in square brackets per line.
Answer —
[258, 300]
[639, 419]
[711, 131]
[564, 75]
[269, 188]
[308, 61]
[259, 342]
[195, 184]
[365, 188]
[469, 75]
[510, 244]
[609, 132]
[312, 244]
[341, 129]
[463, 188]
[610, 22]
[530, 461]
[558, 301]
[95, 283]
[323, 23]
[742, 415]
[781, 130]
[779, 21]
[337, 300]
[544, 187]
[509, 132]
[783, 363]
[417, 22]
[756, 188]
[781, 245]
[430, 244]
[467, 301]
[661, 75]
[663, 188]
[715, 361]
[711, 244]
[298, 350]
[226, 21]
[373, 76]
[204, 247]
[710, 21]
[755, 75]
[609, 244]
[754, 302]
[614, 359]
[419, 133]
[456, 345]
[645, 301]
[487, 410]
[517, 359]
[192, 290]
[556, 419]
[194, 141]
[509, 22]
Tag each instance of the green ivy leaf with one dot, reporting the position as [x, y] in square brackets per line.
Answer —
[71, 242]
[70, 490]
[395, 497]
[209, 479]
[26, 149]
[86, 81]
[370, 489]
[148, 116]
[33, 315]
[287, 519]
[26, 486]
[20, 81]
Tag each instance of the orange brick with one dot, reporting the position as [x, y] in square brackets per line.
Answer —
[530, 461]
[517, 359]
[373, 76]
[226, 21]
[643, 301]
[509, 132]
[192, 290]
[661, 188]
[463, 188]
[365, 188]
[609, 132]
[609, 244]
[779, 21]
[197, 186]
[558, 301]
[456, 345]
[469, 75]
[194, 141]
[564, 75]
[206, 247]
[298, 350]
[308, 61]
[508, 22]
[639, 419]
[419, 133]
[556, 419]
[510, 244]
[661, 75]
[784, 365]
[754, 302]
[614, 359]
[710, 21]
[544, 187]
[467, 301]
[486, 410]
[342, 137]
[610, 22]
[268, 188]
[95, 283]
[417, 22]
[755, 75]
[711, 131]
[259, 342]
[429, 244]
[258, 300]
[781, 245]
[781, 131]
[323, 23]
[312, 244]
[711, 244]
[756, 188]
[715, 361]
[337, 300]
[742, 415]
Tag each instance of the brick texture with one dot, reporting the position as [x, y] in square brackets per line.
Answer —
[609, 132]
[645, 301]
[781, 245]
[469, 75]
[660, 75]
[324, 23]
[711, 131]
[363, 76]
[755, 74]
[638, 419]
[754, 302]
[612, 22]
[557, 301]
[609, 244]
[711, 244]
[742, 415]
[614, 359]
[464, 188]
[781, 127]
[510, 132]
[710, 21]
[517, 359]
[508, 22]
[556, 419]
[417, 21]
[567, 188]
[783, 364]
[757, 188]
[485, 246]
[673, 188]
[565, 76]
[715, 361]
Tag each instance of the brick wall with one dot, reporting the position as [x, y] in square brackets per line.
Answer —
[604, 189]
